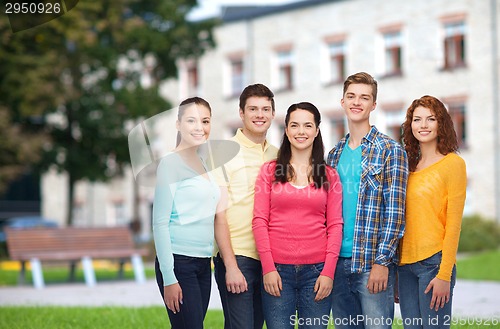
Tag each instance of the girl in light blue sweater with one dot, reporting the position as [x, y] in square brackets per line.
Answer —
[185, 203]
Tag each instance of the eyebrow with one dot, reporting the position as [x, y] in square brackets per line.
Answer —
[353, 94]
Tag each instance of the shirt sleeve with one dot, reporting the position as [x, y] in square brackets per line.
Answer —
[456, 185]
[334, 223]
[162, 209]
[260, 222]
[394, 194]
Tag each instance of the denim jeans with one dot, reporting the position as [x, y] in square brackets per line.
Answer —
[243, 310]
[296, 304]
[414, 304]
[354, 306]
[194, 276]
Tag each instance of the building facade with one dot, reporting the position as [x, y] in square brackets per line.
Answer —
[304, 51]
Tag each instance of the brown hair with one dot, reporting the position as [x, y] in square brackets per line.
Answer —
[256, 90]
[361, 78]
[447, 138]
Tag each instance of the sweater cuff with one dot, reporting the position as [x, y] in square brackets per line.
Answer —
[267, 263]
[329, 268]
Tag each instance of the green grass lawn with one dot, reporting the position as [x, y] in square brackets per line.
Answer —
[482, 266]
[9, 277]
[130, 318]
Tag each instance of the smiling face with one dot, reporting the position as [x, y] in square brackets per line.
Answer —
[301, 130]
[358, 102]
[194, 125]
[424, 125]
[257, 116]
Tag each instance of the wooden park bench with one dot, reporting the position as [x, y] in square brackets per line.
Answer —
[72, 244]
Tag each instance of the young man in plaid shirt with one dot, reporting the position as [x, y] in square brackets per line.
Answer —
[373, 169]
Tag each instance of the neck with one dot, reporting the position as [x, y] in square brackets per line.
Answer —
[256, 138]
[187, 151]
[357, 131]
[301, 157]
[428, 150]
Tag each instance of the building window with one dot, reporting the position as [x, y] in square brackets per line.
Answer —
[192, 79]
[454, 45]
[394, 117]
[457, 113]
[285, 70]
[237, 76]
[336, 52]
[392, 54]
[337, 128]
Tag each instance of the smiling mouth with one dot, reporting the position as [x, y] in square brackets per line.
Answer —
[259, 123]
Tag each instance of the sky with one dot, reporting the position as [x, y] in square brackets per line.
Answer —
[209, 8]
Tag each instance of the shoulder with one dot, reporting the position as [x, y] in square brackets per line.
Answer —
[455, 161]
[268, 167]
[331, 173]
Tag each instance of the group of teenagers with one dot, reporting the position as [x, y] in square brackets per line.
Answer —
[297, 238]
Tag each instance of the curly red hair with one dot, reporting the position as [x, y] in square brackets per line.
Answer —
[447, 137]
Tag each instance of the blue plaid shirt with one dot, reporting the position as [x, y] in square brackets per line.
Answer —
[381, 200]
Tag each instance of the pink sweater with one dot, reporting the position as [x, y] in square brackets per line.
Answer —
[297, 225]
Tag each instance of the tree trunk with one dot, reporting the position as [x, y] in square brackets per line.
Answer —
[71, 197]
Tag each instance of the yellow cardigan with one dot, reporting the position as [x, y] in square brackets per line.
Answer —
[435, 199]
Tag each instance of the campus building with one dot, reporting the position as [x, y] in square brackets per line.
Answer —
[304, 50]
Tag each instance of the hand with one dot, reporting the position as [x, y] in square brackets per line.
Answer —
[396, 290]
[377, 281]
[272, 283]
[440, 293]
[235, 281]
[323, 287]
[173, 297]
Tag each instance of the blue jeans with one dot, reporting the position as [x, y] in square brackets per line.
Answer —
[354, 306]
[414, 304]
[194, 276]
[296, 304]
[243, 310]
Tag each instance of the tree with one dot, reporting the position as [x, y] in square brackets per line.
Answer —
[61, 80]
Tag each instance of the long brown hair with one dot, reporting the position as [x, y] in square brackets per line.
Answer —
[447, 141]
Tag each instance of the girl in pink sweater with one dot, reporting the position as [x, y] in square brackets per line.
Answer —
[297, 225]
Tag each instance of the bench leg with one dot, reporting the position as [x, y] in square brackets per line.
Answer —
[72, 271]
[88, 271]
[121, 264]
[22, 274]
[138, 266]
[36, 271]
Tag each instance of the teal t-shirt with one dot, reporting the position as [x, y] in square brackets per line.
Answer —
[349, 169]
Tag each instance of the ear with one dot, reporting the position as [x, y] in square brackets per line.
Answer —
[374, 106]
[177, 125]
[242, 114]
[317, 132]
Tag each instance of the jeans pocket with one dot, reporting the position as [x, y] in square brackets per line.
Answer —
[432, 262]
[317, 268]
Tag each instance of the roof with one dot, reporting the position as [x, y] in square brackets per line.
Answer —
[238, 13]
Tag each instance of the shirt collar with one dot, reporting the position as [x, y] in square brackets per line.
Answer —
[245, 141]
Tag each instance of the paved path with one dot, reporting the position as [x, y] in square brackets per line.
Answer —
[471, 299]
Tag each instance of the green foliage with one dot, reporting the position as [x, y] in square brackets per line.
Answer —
[482, 266]
[478, 234]
[62, 83]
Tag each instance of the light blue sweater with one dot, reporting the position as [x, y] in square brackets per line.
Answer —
[183, 213]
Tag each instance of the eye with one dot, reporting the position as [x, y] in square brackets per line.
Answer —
[206, 122]
[190, 120]
[416, 119]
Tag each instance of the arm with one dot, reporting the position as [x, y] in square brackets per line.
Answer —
[235, 281]
[456, 186]
[334, 225]
[162, 208]
[392, 226]
[260, 227]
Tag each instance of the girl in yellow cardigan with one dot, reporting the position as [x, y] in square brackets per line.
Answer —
[435, 200]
